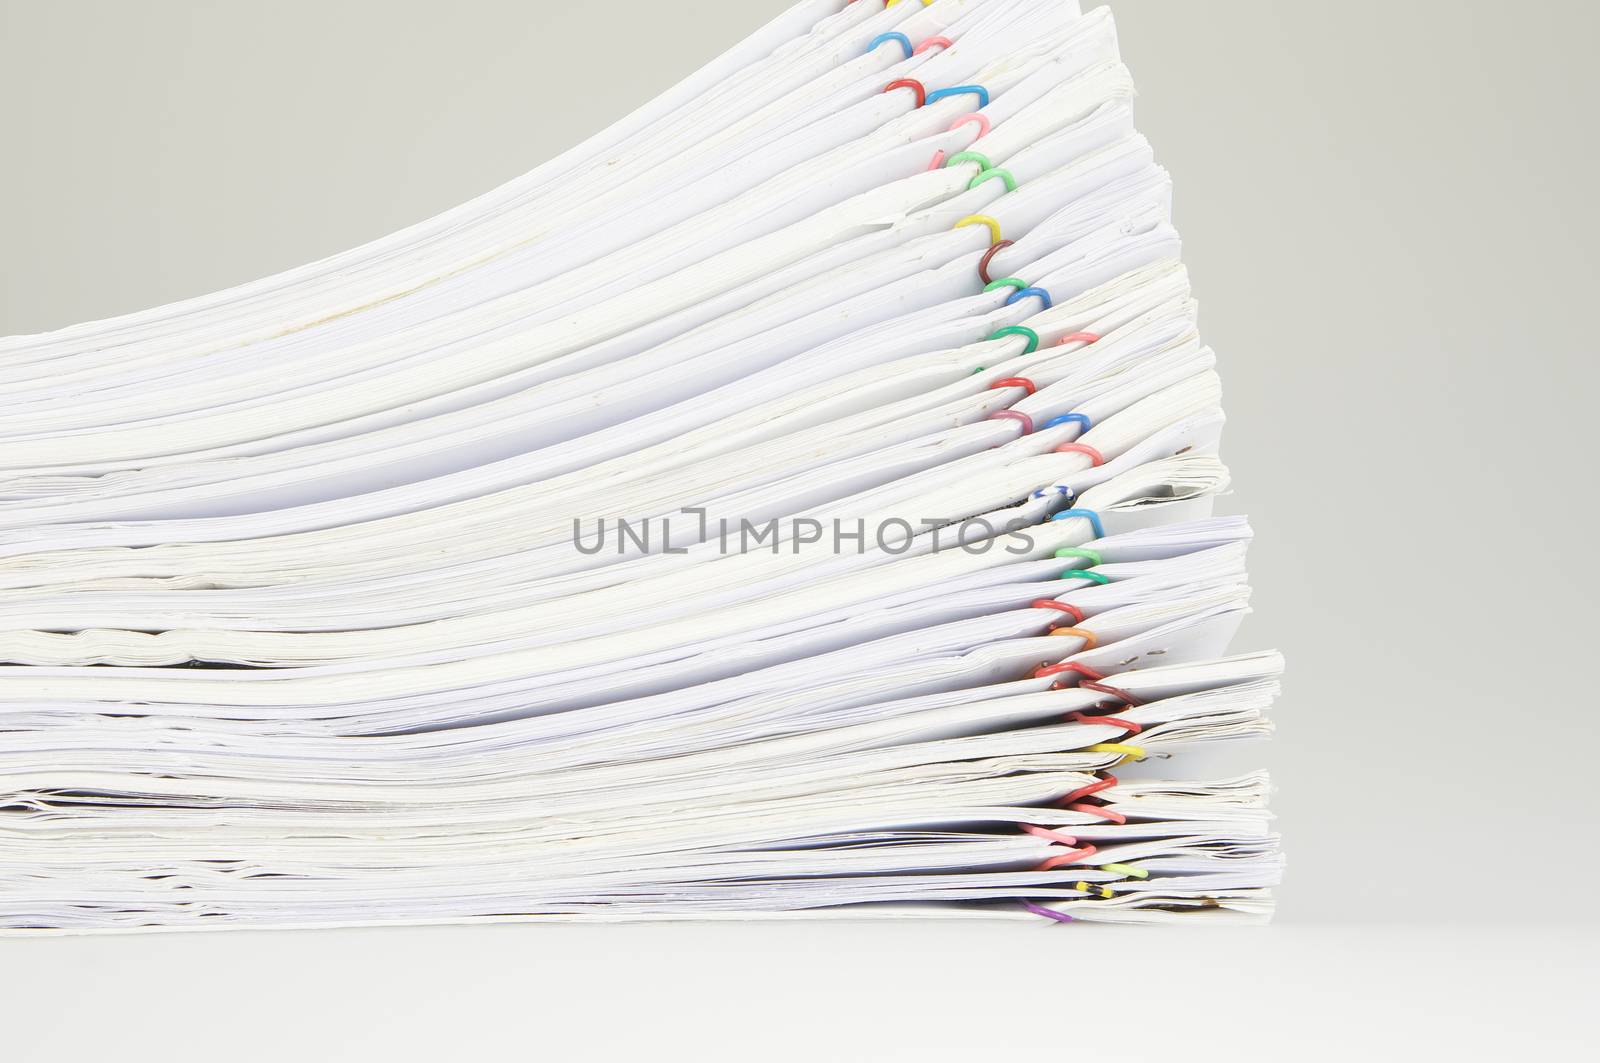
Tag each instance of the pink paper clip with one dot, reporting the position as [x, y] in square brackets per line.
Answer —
[979, 120]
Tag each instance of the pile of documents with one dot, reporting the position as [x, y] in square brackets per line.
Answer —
[793, 501]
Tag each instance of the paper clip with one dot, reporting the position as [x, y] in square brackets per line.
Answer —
[1104, 813]
[1067, 858]
[992, 172]
[892, 35]
[1006, 282]
[1018, 330]
[973, 118]
[1013, 415]
[1014, 382]
[1078, 632]
[1091, 556]
[961, 90]
[1115, 721]
[1049, 834]
[1087, 514]
[931, 42]
[1116, 692]
[988, 256]
[1078, 337]
[1095, 457]
[970, 156]
[1125, 870]
[909, 83]
[1069, 418]
[1048, 913]
[1129, 753]
[981, 219]
[1105, 782]
[1103, 892]
[1067, 666]
[1023, 293]
[1075, 851]
[1064, 607]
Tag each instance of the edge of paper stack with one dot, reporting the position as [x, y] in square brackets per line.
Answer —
[794, 501]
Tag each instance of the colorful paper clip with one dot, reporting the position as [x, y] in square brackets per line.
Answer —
[1090, 639]
[1113, 721]
[1096, 459]
[961, 90]
[990, 174]
[973, 118]
[1067, 666]
[1117, 692]
[1018, 330]
[1096, 810]
[1129, 753]
[1105, 782]
[1048, 913]
[1014, 415]
[1069, 418]
[1091, 556]
[1014, 382]
[892, 35]
[988, 256]
[985, 220]
[970, 156]
[1060, 607]
[909, 83]
[1023, 293]
[1087, 514]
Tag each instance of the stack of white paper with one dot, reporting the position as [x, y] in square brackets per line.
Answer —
[796, 499]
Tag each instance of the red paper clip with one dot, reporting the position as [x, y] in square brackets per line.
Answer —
[909, 83]
[1106, 782]
[1115, 721]
[1065, 607]
[1104, 813]
[1116, 692]
[1014, 382]
[1082, 448]
[1070, 857]
[1067, 666]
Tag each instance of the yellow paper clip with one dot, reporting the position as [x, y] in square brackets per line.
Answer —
[1125, 870]
[1129, 753]
[1092, 890]
[982, 219]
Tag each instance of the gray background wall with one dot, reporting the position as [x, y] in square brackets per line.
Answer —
[1388, 210]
